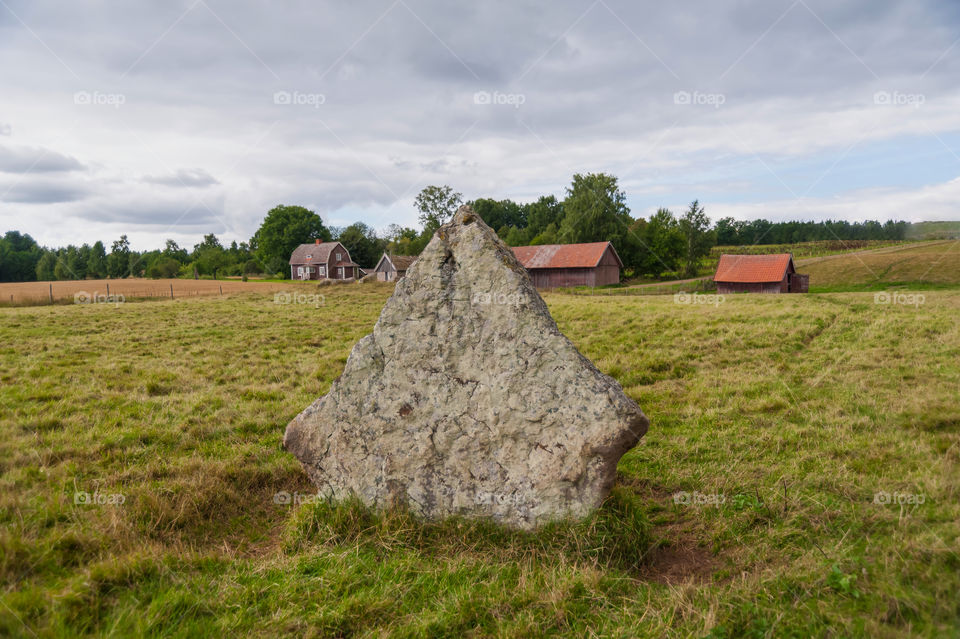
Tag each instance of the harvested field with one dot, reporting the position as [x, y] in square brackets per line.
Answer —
[84, 291]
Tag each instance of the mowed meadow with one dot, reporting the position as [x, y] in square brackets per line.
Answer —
[800, 477]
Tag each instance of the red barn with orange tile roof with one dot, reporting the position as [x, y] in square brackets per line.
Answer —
[553, 265]
[759, 274]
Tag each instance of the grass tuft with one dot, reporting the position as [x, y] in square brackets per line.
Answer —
[616, 536]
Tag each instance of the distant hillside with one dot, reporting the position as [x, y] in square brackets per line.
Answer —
[930, 264]
[933, 231]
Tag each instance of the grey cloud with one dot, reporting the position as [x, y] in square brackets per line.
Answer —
[41, 192]
[156, 215]
[183, 178]
[36, 160]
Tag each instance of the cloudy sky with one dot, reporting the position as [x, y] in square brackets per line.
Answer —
[170, 119]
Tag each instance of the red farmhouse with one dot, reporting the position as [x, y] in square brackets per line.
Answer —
[322, 261]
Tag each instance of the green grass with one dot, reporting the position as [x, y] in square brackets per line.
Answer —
[782, 417]
[927, 266]
[934, 230]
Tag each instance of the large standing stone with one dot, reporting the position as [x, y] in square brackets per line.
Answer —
[467, 400]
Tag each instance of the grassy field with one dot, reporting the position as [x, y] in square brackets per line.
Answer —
[914, 266]
[917, 266]
[800, 478]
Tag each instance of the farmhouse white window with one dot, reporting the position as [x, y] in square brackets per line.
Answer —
[339, 256]
[323, 270]
[340, 271]
[300, 271]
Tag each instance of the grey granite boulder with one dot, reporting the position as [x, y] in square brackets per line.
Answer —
[467, 400]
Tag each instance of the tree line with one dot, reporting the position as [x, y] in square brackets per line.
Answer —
[594, 209]
[22, 259]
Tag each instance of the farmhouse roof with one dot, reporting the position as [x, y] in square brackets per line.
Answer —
[564, 255]
[753, 268]
[318, 253]
[403, 262]
[400, 262]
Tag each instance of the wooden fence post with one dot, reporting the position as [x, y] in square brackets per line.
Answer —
[221, 291]
[108, 289]
[51, 293]
[171, 291]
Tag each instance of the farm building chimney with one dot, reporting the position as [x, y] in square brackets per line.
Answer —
[317, 241]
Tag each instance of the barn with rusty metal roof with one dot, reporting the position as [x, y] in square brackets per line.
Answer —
[553, 265]
[774, 273]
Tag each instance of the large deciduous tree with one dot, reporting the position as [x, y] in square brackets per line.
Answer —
[663, 243]
[362, 243]
[19, 256]
[698, 237]
[595, 210]
[436, 204]
[285, 228]
[118, 262]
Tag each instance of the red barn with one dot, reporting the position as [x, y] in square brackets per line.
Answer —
[759, 274]
[552, 265]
